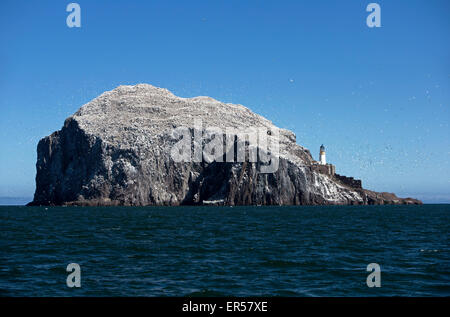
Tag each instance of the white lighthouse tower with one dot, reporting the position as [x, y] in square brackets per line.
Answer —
[322, 157]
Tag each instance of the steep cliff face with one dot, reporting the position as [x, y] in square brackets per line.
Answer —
[118, 150]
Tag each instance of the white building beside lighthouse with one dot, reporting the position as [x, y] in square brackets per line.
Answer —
[322, 157]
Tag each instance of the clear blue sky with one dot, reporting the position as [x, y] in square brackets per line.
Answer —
[377, 98]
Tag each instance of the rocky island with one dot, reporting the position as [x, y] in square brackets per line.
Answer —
[118, 149]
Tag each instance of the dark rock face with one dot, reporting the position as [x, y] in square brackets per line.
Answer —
[349, 181]
[65, 160]
[374, 198]
[116, 151]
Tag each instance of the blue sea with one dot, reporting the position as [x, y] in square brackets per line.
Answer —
[224, 251]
